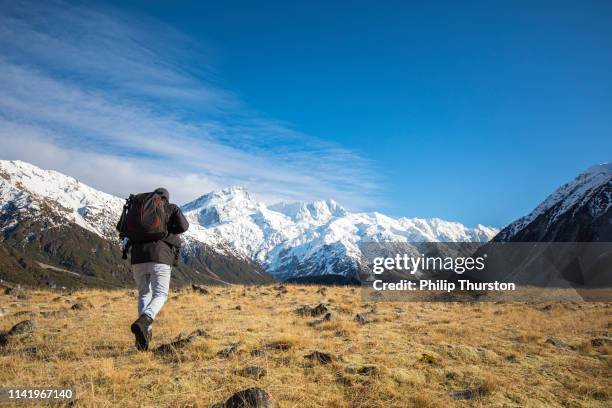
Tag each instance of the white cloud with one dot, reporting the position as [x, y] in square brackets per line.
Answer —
[94, 94]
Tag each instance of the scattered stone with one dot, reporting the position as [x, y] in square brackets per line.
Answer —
[279, 345]
[179, 343]
[600, 342]
[228, 351]
[197, 333]
[26, 326]
[370, 370]
[3, 311]
[427, 358]
[320, 357]
[344, 310]
[200, 289]
[307, 311]
[325, 318]
[466, 394]
[342, 379]
[258, 353]
[372, 307]
[362, 318]
[250, 398]
[558, 343]
[281, 288]
[54, 313]
[81, 305]
[18, 292]
[252, 371]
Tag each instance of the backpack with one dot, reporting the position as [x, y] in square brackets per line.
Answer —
[144, 218]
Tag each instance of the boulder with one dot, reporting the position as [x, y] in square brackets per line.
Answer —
[200, 289]
[179, 343]
[250, 398]
[228, 351]
[24, 327]
[307, 311]
[560, 344]
[319, 357]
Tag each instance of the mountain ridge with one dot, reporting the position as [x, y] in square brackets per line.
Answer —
[288, 240]
[578, 211]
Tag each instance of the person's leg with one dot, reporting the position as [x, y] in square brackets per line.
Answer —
[140, 328]
[160, 285]
[142, 278]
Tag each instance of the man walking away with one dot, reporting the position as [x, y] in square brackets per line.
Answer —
[152, 224]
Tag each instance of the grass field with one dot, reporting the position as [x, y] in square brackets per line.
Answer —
[393, 355]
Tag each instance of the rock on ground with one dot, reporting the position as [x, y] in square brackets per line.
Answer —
[250, 398]
[307, 311]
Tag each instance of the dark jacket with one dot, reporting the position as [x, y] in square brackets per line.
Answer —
[166, 250]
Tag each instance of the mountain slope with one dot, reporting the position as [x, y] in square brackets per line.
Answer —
[566, 241]
[60, 232]
[578, 211]
[308, 239]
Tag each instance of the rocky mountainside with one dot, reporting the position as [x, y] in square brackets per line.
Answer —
[578, 211]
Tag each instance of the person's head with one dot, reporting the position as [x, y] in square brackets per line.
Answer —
[163, 192]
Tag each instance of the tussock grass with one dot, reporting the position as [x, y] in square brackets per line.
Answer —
[424, 354]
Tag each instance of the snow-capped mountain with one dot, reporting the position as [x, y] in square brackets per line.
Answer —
[26, 190]
[288, 240]
[301, 239]
[58, 231]
[578, 211]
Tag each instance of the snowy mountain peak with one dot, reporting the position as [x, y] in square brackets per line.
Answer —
[590, 188]
[308, 238]
[26, 188]
[222, 206]
[235, 195]
[316, 211]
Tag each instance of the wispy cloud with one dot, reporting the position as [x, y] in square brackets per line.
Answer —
[114, 99]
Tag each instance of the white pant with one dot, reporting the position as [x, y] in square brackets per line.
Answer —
[153, 281]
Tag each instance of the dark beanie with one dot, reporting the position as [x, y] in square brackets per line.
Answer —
[163, 192]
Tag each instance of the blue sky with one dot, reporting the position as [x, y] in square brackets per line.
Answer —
[467, 111]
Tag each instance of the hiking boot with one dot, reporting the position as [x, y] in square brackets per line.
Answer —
[140, 328]
[150, 331]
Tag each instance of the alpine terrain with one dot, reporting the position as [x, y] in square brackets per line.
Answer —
[578, 211]
[564, 241]
[60, 231]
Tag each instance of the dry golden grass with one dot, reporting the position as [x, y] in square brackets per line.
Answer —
[425, 354]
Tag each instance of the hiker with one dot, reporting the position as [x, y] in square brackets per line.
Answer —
[152, 225]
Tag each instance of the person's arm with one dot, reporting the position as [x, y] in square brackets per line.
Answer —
[178, 223]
